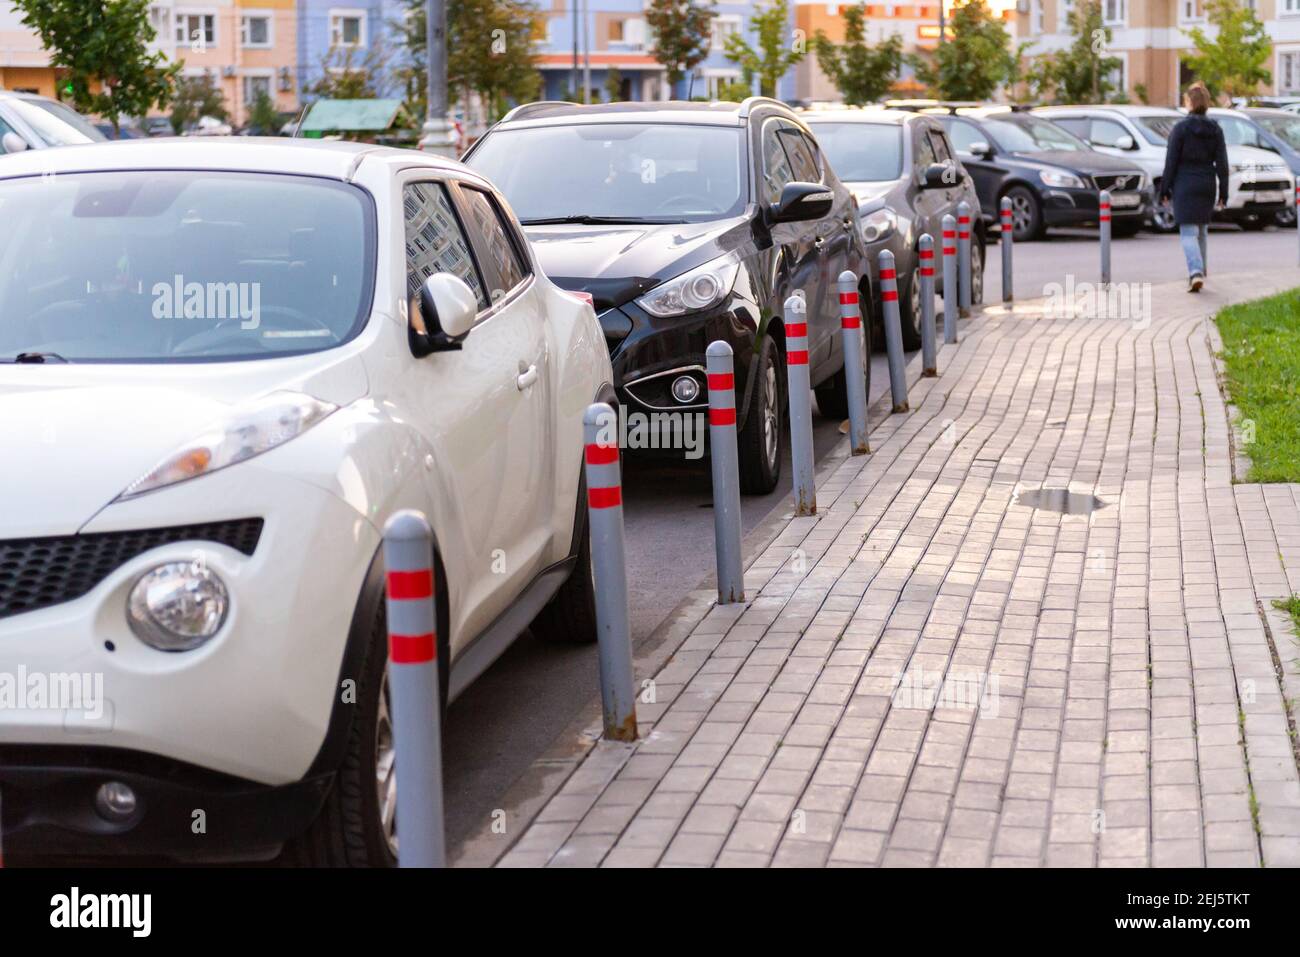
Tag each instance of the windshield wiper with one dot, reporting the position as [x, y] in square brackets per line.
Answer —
[585, 220]
[38, 358]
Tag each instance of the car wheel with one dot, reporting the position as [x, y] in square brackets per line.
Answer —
[1253, 224]
[1285, 217]
[833, 394]
[570, 616]
[976, 272]
[909, 309]
[1162, 218]
[759, 442]
[1125, 230]
[1026, 215]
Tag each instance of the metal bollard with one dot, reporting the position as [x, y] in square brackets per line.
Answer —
[1008, 230]
[949, 280]
[800, 388]
[893, 330]
[963, 258]
[414, 689]
[929, 359]
[855, 376]
[720, 366]
[1103, 219]
[609, 570]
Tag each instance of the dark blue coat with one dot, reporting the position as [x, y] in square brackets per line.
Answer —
[1196, 158]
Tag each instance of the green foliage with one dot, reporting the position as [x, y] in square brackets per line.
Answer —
[776, 51]
[734, 91]
[263, 117]
[862, 73]
[613, 85]
[1083, 72]
[349, 75]
[103, 43]
[1233, 62]
[974, 62]
[195, 97]
[682, 31]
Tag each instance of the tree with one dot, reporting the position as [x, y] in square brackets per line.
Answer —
[775, 53]
[1233, 62]
[974, 62]
[613, 84]
[683, 33]
[346, 76]
[734, 91]
[103, 48]
[1083, 73]
[489, 52]
[263, 119]
[862, 73]
[194, 97]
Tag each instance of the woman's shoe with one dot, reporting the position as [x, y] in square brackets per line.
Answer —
[1195, 283]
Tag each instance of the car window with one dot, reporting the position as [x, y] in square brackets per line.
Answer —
[940, 144]
[1285, 128]
[1156, 129]
[1078, 125]
[4, 128]
[503, 264]
[862, 152]
[55, 123]
[1237, 132]
[1017, 133]
[777, 169]
[435, 242]
[803, 164]
[1105, 133]
[964, 135]
[924, 151]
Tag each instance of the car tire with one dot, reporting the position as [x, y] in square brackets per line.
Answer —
[569, 618]
[759, 442]
[908, 310]
[833, 394]
[977, 264]
[1125, 230]
[1253, 224]
[1026, 214]
[1162, 218]
[1285, 218]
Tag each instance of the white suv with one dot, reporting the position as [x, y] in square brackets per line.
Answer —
[1259, 183]
[223, 365]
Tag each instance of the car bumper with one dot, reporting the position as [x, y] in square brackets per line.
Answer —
[1081, 207]
[255, 701]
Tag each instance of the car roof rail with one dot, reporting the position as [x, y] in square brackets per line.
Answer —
[752, 102]
[522, 111]
[933, 106]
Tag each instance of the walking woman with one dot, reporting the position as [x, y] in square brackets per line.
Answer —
[1195, 165]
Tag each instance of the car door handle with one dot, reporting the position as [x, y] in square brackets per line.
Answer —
[848, 225]
[527, 377]
[819, 242]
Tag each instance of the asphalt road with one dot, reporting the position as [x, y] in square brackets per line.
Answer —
[517, 709]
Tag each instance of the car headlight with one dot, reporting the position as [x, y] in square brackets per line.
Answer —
[250, 430]
[878, 225]
[1061, 179]
[177, 606]
[693, 291]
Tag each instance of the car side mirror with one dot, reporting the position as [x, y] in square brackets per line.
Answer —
[941, 176]
[12, 143]
[448, 308]
[1126, 142]
[801, 202]
[981, 149]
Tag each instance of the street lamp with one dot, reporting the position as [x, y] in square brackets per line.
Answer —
[438, 133]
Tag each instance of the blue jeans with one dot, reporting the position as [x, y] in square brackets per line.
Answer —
[1193, 237]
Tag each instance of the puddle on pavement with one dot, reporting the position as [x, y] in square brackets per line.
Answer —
[1060, 500]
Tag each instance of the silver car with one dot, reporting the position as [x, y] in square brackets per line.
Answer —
[31, 122]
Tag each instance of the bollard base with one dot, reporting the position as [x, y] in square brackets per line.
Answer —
[931, 373]
[862, 450]
[963, 313]
[902, 408]
[625, 731]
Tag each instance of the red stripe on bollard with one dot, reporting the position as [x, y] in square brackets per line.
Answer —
[412, 649]
[927, 270]
[602, 454]
[722, 416]
[888, 274]
[926, 254]
[797, 357]
[848, 299]
[889, 295]
[850, 322]
[1105, 219]
[796, 329]
[963, 220]
[950, 234]
[721, 380]
[404, 585]
[605, 497]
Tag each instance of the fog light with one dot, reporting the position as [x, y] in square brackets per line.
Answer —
[115, 801]
[177, 606]
[686, 389]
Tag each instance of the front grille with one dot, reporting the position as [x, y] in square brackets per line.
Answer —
[39, 572]
[1259, 187]
[1118, 182]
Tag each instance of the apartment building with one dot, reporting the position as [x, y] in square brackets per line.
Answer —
[1148, 37]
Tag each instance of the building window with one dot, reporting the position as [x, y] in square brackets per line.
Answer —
[1036, 18]
[1288, 8]
[348, 29]
[255, 31]
[255, 86]
[1115, 12]
[723, 27]
[1194, 9]
[197, 30]
[1288, 72]
[160, 18]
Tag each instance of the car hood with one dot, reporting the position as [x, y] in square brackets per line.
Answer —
[872, 194]
[1242, 155]
[75, 436]
[1085, 161]
[616, 264]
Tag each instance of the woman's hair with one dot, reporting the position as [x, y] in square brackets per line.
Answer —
[1198, 98]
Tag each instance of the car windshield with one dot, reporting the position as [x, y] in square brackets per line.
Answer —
[1028, 134]
[862, 152]
[55, 123]
[1156, 129]
[634, 172]
[1285, 128]
[180, 266]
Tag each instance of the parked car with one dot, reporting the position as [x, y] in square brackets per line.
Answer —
[1052, 178]
[1273, 131]
[687, 223]
[223, 366]
[123, 131]
[31, 122]
[159, 126]
[905, 177]
[1141, 133]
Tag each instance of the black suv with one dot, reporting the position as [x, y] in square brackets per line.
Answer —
[1052, 177]
[687, 223]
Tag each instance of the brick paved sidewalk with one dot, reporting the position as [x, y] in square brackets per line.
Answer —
[1110, 694]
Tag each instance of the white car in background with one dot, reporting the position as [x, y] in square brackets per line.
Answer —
[32, 122]
[1259, 183]
[223, 365]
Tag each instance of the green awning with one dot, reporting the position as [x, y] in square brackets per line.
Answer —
[350, 116]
